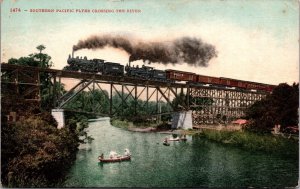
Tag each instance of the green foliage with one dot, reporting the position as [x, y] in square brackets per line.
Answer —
[48, 97]
[119, 123]
[36, 153]
[163, 126]
[127, 109]
[97, 101]
[255, 142]
[280, 107]
[177, 101]
[200, 102]
[196, 103]
[36, 60]
[40, 48]
[90, 101]
[78, 123]
[43, 61]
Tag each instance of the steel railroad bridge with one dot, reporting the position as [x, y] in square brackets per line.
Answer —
[209, 104]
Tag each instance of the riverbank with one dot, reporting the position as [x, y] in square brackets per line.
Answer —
[150, 127]
[269, 143]
[141, 127]
[166, 128]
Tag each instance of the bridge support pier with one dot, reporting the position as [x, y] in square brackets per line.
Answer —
[182, 120]
[59, 116]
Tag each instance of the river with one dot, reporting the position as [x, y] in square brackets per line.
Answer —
[194, 163]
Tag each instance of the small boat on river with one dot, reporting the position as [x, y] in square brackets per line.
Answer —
[181, 138]
[173, 139]
[114, 157]
[177, 139]
[165, 142]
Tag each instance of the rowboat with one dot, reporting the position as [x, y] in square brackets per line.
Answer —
[115, 159]
[173, 139]
[177, 139]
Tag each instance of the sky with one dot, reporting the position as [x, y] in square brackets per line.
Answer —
[255, 40]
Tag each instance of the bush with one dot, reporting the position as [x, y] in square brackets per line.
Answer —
[164, 126]
[279, 107]
[40, 156]
[255, 142]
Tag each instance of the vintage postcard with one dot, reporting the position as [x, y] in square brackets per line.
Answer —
[136, 93]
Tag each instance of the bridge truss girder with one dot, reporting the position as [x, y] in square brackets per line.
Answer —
[126, 97]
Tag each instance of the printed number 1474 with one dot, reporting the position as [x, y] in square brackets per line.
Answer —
[15, 10]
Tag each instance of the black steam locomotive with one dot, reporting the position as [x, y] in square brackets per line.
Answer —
[99, 66]
[94, 66]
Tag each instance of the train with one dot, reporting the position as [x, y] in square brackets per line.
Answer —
[100, 66]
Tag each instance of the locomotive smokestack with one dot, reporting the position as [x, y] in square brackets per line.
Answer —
[73, 53]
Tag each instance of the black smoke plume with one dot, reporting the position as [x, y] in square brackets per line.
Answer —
[186, 49]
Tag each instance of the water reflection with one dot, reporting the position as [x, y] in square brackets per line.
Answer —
[194, 163]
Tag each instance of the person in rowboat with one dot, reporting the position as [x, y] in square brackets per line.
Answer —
[127, 153]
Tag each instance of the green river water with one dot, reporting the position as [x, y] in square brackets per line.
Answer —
[194, 163]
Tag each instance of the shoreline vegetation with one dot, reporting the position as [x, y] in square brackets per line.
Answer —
[226, 135]
[142, 126]
[269, 143]
[38, 154]
[41, 155]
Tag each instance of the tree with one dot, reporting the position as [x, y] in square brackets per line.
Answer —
[35, 153]
[280, 107]
[36, 59]
[177, 101]
[48, 96]
[40, 48]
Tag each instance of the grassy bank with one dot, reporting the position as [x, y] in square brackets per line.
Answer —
[255, 142]
[121, 124]
[128, 125]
